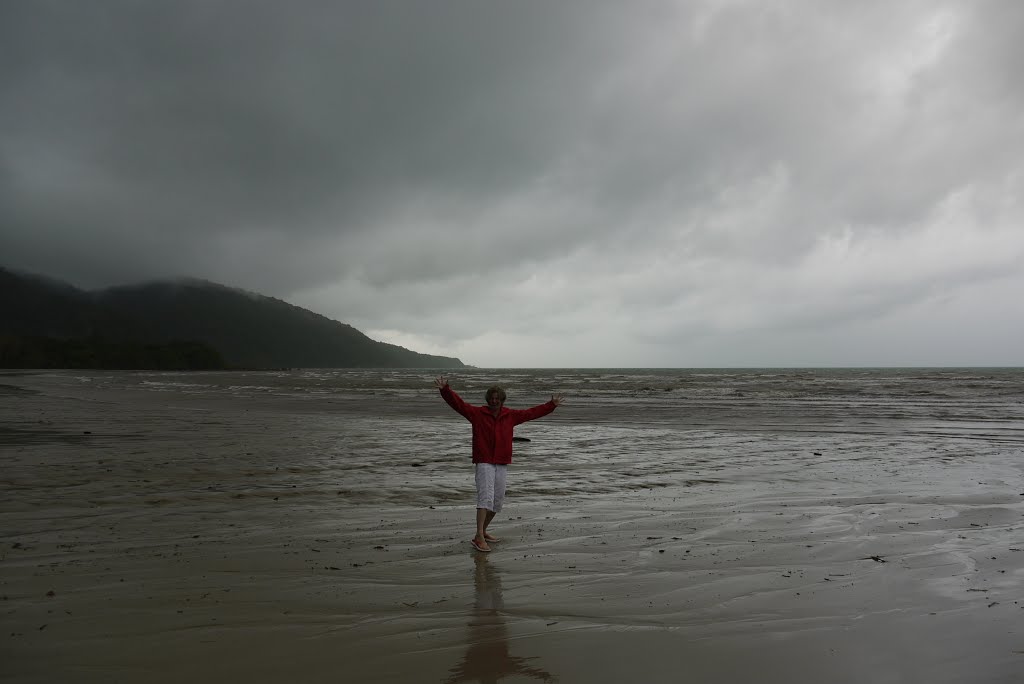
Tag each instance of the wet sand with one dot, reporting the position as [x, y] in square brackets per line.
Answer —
[164, 537]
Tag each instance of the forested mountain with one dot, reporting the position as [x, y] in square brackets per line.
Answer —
[34, 306]
[248, 330]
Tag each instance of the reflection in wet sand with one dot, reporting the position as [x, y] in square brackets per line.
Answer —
[487, 657]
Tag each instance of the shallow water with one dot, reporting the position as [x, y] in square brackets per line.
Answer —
[370, 436]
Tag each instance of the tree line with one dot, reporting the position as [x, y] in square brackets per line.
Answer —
[49, 352]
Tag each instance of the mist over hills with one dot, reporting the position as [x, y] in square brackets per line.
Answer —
[248, 330]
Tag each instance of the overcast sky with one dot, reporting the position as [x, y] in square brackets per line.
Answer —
[540, 183]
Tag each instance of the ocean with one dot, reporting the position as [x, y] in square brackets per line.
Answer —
[354, 434]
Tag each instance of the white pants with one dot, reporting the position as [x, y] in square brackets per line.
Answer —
[490, 485]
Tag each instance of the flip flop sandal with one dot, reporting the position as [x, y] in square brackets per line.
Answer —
[478, 547]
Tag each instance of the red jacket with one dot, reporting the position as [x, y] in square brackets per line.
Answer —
[492, 437]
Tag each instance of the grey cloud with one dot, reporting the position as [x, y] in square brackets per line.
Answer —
[224, 117]
[403, 165]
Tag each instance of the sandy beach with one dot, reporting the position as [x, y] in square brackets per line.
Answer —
[157, 529]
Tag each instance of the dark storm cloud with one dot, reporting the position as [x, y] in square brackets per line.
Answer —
[218, 118]
[503, 178]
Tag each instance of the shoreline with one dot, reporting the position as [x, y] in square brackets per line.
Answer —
[208, 539]
[397, 593]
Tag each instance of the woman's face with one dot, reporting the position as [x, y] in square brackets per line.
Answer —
[494, 401]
